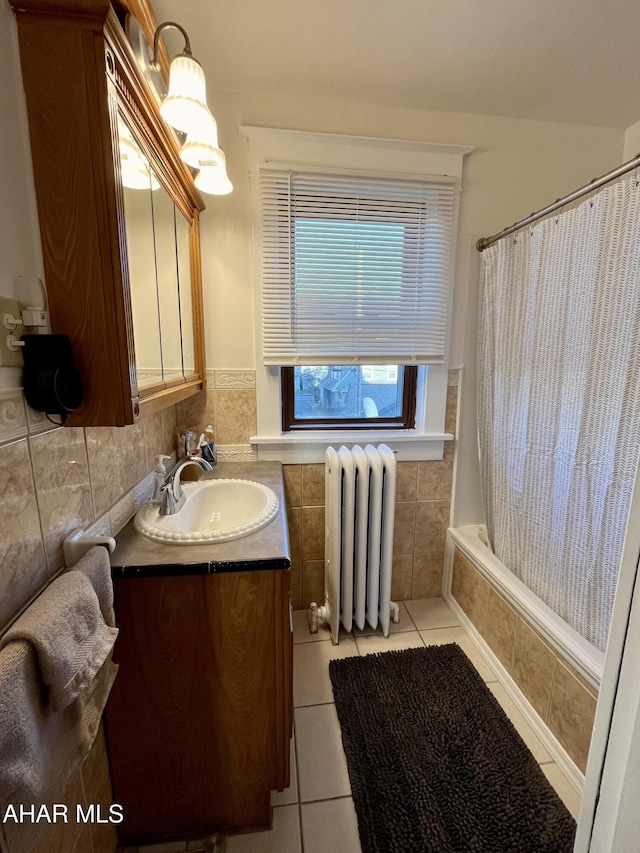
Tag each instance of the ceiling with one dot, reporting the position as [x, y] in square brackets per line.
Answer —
[557, 60]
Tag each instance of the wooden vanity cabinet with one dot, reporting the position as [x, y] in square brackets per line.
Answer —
[82, 85]
[200, 715]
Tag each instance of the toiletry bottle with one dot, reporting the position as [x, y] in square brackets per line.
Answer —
[159, 474]
[209, 449]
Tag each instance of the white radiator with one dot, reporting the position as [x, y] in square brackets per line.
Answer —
[360, 490]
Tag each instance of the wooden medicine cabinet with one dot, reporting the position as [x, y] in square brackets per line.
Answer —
[118, 213]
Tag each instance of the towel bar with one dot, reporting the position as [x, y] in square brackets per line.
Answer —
[78, 543]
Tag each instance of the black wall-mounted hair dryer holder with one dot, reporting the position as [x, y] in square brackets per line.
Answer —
[51, 384]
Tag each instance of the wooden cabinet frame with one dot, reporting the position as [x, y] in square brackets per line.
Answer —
[78, 69]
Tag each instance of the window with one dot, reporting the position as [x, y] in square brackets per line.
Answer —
[353, 266]
[348, 396]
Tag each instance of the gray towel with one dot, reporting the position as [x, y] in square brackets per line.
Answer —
[69, 635]
[97, 567]
[40, 748]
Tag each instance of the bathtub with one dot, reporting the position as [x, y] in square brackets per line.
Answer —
[471, 540]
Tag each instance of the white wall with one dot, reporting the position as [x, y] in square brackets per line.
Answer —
[517, 166]
[632, 141]
[20, 252]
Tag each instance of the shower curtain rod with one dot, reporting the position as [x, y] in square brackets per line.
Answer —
[484, 242]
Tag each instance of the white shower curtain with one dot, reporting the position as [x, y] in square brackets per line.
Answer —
[559, 401]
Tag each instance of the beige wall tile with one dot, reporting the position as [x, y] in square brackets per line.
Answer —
[312, 582]
[312, 485]
[434, 479]
[427, 575]
[169, 430]
[159, 435]
[118, 459]
[432, 521]
[451, 411]
[293, 484]
[401, 577]
[406, 481]
[404, 526]
[86, 843]
[294, 522]
[235, 378]
[533, 667]
[61, 473]
[23, 568]
[469, 588]
[313, 533]
[97, 789]
[133, 454]
[37, 422]
[105, 467]
[296, 587]
[62, 837]
[236, 419]
[13, 416]
[571, 712]
[196, 413]
[498, 627]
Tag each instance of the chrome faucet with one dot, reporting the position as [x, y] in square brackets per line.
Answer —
[172, 493]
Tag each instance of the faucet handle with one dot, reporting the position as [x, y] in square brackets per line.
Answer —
[168, 503]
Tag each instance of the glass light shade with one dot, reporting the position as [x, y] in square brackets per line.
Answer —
[135, 172]
[134, 179]
[201, 149]
[214, 181]
[185, 106]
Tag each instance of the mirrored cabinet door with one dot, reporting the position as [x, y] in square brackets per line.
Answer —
[164, 229]
[137, 192]
[186, 299]
[159, 266]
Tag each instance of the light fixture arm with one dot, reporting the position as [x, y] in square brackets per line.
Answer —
[156, 40]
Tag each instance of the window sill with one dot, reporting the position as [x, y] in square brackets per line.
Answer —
[310, 446]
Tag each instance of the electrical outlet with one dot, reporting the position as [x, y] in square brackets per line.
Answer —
[10, 358]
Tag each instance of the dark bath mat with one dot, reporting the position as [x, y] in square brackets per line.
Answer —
[434, 763]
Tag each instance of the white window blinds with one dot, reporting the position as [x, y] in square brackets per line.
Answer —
[355, 269]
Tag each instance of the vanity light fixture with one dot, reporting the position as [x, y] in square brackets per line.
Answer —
[213, 181]
[184, 107]
[201, 149]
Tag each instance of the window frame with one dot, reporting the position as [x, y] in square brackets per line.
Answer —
[405, 420]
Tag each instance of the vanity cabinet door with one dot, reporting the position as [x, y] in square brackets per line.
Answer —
[129, 298]
[199, 716]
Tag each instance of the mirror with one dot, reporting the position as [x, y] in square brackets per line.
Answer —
[158, 240]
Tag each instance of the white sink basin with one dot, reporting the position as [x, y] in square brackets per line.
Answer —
[214, 511]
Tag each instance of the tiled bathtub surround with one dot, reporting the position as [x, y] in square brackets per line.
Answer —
[557, 692]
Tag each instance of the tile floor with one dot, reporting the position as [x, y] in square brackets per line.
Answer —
[316, 813]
